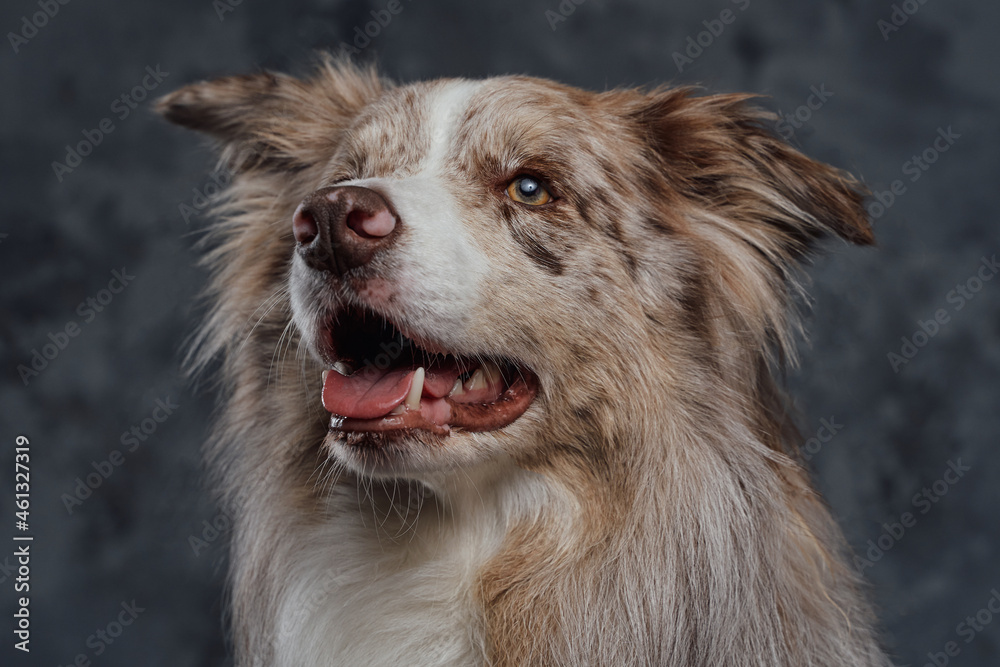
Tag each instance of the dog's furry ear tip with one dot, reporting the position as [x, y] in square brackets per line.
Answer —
[192, 107]
[177, 106]
[863, 237]
[859, 231]
[843, 202]
[218, 106]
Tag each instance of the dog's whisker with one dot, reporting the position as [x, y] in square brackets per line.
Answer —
[269, 304]
[277, 355]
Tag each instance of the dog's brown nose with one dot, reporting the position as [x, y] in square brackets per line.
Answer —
[342, 227]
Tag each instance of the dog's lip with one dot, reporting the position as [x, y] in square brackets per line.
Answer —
[384, 401]
[472, 417]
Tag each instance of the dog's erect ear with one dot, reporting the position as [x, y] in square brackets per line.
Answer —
[275, 120]
[720, 152]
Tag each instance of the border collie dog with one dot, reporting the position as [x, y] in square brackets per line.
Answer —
[499, 364]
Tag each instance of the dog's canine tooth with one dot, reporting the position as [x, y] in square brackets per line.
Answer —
[477, 381]
[416, 389]
[343, 368]
[398, 410]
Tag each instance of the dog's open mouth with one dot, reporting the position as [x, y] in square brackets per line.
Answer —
[381, 381]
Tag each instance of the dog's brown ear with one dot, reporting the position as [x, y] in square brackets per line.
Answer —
[720, 151]
[270, 119]
[230, 108]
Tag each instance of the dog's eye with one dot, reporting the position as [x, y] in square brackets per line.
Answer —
[528, 190]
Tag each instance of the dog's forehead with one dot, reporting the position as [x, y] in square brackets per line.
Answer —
[446, 113]
[410, 128]
[429, 126]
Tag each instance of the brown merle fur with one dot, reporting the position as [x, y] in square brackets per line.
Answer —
[654, 304]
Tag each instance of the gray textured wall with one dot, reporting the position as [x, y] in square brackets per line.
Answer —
[64, 233]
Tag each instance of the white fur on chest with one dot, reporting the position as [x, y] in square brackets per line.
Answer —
[362, 592]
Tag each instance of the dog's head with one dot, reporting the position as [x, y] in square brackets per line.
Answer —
[502, 266]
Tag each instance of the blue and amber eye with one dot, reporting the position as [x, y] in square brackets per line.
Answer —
[528, 190]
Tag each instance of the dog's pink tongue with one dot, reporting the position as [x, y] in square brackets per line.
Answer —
[371, 393]
[366, 394]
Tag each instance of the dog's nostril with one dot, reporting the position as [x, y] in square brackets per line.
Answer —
[376, 225]
[304, 226]
[342, 227]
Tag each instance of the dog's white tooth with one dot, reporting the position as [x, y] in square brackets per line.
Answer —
[343, 368]
[477, 381]
[457, 389]
[492, 372]
[398, 410]
[416, 389]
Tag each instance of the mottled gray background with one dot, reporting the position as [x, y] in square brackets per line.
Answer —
[120, 208]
